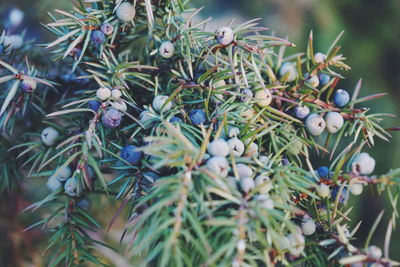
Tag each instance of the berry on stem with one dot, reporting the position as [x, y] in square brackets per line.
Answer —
[334, 121]
[131, 154]
[315, 124]
[166, 49]
[225, 35]
[160, 105]
[218, 147]
[49, 136]
[289, 70]
[301, 112]
[111, 118]
[363, 163]
[197, 116]
[341, 98]
[125, 12]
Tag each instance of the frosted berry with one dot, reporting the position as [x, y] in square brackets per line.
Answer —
[160, 103]
[53, 184]
[247, 184]
[167, 49]
[312, 81]
[323, 78]
[84, 203]
[49, 136]
[98, 37]
[252, 150]
[107, 28]
[119, 105]
[323, 190]
[131, 154]
[363, 164]
[319, 58]
[116, 94]
[356, 189]
[244, 170]
[315, 124]
[225, 35]
[374, 252]
[263, 183]
[218, 147]
[334, 121]
[308, 226]
[341, 98]
[125, 12]
[296, 243]
[263, 97]
[301, 112]
[233, 131]
[247, 95]
[111, 118]
[14, 41]
[289, 69]
[64, 174]
[145, 116]
[103, 93]
[264, 160]
[265, 201]
[16, 17]
[94, 105]
[323, 172]
[236, 146]
[28, 84]
[218, 165]
[73, 187]
[197, 116]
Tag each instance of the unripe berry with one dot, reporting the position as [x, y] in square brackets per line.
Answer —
[334, 121]
[167, 49]
[323, 172]
[312, 81]
[323, 78]
[64, 174]
[103, 93]
[252, 150]
[247, 184]
[241, 245]
[125, 12]
[263, 97]
[111, 118]
[323, 190]
[233, 132]
[263, 183]
[319, 58]
[301, 111]
[175, 119]
[236, 146]
[116, 94]
[289, 69]
[98, 37]
[363, 164]
[160, 105]
[107, 28]
[94, 105]
[315, 124]
[49, 136]
[15, 17]
[53, 183]
[374, 252]
[308, 226]
[218, 147]
[218, 165]
[197, 116]
[265, 201]
[131, 154]
[247, 95]
[244, 170]
[28, 84]
[84, 203]
[264, 160]
[14, 41]
[225, 35]
[356, 189]
[296, 243]
[341, 98]
[72, 187]
[119, 105]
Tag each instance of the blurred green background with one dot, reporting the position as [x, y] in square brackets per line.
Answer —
[371, 43]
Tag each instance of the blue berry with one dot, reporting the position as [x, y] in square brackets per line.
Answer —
[175, 119]
[98, 37]
[107, 28]
[111, 118]
[301, 111]
[197, 116]
[84, 203]
[1, 48]
[323, 78]
[94, 105]
[73, 187]
[131, 154]
[323, 172]
[343, 197]
[341, 98]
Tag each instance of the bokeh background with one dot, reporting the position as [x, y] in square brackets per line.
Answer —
[371, 43]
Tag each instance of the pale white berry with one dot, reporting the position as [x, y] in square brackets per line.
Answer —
[103, 93]
[225, 35]
[312, 81]
[263, 97]
[296, 243]
[167, 49]
[319, 57]
[374, 252]
[252, 149]
[334, 121]
[356, 189]
[14, 41]
[263, 183]
[244, 170]
[49, 136]
[315, 124]
[241, 245]
[265, 201]
[53, 183]
[119, 105]
[218, 147]
[116, 94]
[236, 146]
[16, 16]
[160, 105]
[264, 160]
[64, 174]
[125, 12]
[323, 190]
[247, 184]
[289, 69]
[308, 226]
[363, 164]
[145, 116]
[218, 165]
[233, 131]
